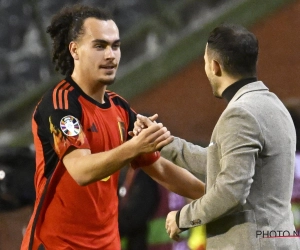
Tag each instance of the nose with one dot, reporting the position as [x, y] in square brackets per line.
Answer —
[109, 53]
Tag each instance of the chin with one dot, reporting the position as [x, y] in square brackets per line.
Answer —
[107, 81]
[216, 94]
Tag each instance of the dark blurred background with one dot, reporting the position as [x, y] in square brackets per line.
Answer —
[161, 71]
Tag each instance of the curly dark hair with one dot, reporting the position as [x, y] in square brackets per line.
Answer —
[67, 26]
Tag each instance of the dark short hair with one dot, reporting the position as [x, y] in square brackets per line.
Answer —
[236, 49]
[67, 26]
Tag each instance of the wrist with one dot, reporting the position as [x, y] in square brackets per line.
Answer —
[177, 218]
[145, 159]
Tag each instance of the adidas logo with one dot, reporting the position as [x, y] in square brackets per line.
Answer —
[93, 128]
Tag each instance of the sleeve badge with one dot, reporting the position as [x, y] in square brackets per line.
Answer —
[70, 126]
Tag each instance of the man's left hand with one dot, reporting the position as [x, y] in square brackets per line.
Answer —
[171, 226]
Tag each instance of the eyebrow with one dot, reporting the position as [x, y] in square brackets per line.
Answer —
[105, 42]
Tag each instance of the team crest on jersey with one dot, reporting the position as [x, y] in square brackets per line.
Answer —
[69, 125]
[121, 126]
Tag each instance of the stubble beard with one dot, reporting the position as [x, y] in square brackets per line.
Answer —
[107, 82]
[215, 89]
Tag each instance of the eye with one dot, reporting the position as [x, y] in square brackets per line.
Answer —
[116, 46]
[100, 46]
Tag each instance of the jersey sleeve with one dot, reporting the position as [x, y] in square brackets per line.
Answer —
[66, 131]
[59, 118]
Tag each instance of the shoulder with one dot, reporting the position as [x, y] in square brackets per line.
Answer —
[117, 100]
[239, 117]
[60, 98]
[238, 109]
[115, 97]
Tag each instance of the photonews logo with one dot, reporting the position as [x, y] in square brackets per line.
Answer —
[277, 234]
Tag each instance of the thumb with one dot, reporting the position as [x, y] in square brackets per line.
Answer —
[131, 133]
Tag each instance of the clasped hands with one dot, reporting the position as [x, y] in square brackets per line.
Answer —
[143, 122]
[159, 134]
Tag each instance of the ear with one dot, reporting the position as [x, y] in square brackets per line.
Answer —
[216, 68]
[73, 50]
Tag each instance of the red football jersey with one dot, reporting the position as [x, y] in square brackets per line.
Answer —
[66, 215]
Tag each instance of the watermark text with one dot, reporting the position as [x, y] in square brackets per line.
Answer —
[277, 234]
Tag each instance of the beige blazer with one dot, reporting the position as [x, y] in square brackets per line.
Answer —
[249, 169]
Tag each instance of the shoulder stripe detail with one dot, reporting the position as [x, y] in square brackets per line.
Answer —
[60, 95]
[55, 93]
[70, 88]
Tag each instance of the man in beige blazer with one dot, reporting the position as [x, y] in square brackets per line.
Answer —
[249, 163]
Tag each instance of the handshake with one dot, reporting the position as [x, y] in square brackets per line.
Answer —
[158, 136]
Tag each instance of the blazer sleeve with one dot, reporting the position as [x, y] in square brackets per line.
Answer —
[187, 155]
[239, 140]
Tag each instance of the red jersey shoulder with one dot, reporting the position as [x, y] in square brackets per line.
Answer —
[112, 95]
[119, 100]
[58, 118]
[62, 97]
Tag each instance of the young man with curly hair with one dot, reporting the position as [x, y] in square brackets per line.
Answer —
[80, 132]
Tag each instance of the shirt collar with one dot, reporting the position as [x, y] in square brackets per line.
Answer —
[231, 90]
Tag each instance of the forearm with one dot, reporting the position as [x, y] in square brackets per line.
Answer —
[175, 179]
[230, 190]
[186, 155]
[86, 168]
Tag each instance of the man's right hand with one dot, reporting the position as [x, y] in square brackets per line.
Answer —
[152, 137]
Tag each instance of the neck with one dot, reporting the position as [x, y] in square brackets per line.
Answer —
[94, 89]
[226, 82]
[229, 92]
